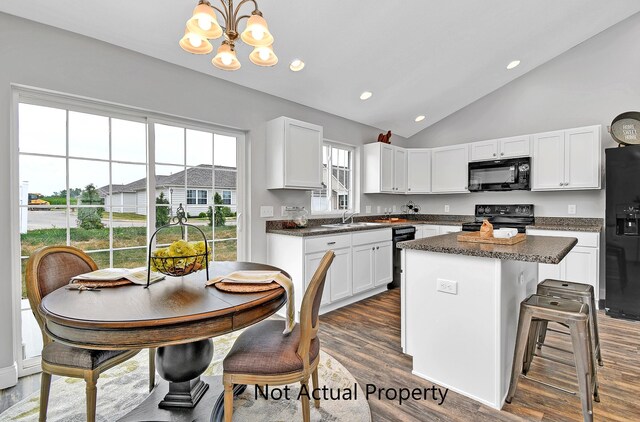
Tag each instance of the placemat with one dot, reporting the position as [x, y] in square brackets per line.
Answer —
[101, 284]
[245, 287]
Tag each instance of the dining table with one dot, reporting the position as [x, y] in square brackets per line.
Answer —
[179, 316]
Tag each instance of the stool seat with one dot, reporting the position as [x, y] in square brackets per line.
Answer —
[567, 286]
[580, 292]
[561, 308]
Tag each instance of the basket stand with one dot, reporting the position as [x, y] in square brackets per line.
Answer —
[179, 220]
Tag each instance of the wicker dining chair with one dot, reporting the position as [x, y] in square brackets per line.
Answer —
[262, 355]
[48, 269]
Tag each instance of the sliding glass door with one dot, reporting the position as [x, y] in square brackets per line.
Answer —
[104, 181]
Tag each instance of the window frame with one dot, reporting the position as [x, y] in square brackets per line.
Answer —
[353, 180]
[49, 98]
[193, 198]
[205, 199]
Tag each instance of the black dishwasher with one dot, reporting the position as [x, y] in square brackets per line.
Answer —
[399, 234]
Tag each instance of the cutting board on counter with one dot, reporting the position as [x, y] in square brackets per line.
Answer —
[474, 237]
[391, 220]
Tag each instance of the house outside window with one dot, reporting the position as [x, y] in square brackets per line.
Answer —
[226, 197]
[202, 197]
[337, 193]
[191, 196]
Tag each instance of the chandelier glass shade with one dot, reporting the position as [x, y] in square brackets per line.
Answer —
[203, 26]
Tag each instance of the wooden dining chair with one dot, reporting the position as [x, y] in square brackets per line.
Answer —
[262, 355]
[48, 269]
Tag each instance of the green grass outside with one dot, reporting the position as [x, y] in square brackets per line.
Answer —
[224, 245]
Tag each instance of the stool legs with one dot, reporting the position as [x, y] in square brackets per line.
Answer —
[522, 337]
[584, 365]
[595, 330]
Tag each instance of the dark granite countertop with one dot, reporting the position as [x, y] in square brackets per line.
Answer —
[569, 224]
[542, 249]
[315, 227]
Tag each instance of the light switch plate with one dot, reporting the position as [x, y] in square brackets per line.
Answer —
[446, 208]
[283, 210]
[266, 211]
[368, 209]
[447, 286]
[379, 208]
[571, 209]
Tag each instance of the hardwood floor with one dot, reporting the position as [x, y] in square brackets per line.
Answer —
[365, 338]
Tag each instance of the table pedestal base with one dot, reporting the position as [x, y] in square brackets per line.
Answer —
[211, 403]
[184, 394]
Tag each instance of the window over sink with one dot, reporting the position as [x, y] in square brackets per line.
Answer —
[337, 193]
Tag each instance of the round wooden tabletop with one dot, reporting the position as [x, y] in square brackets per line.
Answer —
[173, 311]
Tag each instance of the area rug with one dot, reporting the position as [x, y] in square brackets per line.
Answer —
[123, 387]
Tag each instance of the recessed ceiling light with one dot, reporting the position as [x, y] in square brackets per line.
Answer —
[296, 65]
[513, 64]
[420, 118]
[366, 95]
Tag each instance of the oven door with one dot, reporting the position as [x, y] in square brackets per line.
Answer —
[501, 175]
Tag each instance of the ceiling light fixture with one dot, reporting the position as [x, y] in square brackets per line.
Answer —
[420, 118]
[513, 64]
[203, 26]
[296, 65]
[366, 95]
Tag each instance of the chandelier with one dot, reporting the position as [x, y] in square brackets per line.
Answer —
[203, 26]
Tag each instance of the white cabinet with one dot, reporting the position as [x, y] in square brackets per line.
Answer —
[581, 264]
[516, 146]
[449, 169]
[383, 264]
[363, 278]
[567, 159]
[385, 168]
[362, 266]
[294, 154]
[429, 230]
[418, 170]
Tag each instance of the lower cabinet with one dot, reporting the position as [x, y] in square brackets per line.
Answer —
[362, 267]
[429, 230]
[582, 263]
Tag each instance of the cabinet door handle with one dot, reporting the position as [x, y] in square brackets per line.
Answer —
[561, 184]
[377, 247]
[331, 243]
[494, 154]
[409, 189]
[502, 153]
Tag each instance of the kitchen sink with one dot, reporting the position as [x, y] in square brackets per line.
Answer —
[350, 225]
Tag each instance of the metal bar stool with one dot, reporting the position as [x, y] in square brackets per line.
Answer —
[575, 315]
[573, 291]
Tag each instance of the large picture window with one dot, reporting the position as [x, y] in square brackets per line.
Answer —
[85, 180]
[337, 193]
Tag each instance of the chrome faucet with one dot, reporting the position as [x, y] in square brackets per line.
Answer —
[345, 218]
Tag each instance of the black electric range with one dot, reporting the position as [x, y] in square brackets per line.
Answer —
[501, 216]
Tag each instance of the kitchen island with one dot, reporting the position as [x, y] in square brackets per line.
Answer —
[460, 305]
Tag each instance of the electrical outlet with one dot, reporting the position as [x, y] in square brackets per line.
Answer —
[368, 209]
[571, 209]
[266, 211]
[521, 278]
[447, 286]
[446, 208]
[283, 210]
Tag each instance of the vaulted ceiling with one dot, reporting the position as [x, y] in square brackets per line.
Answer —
[418, 57]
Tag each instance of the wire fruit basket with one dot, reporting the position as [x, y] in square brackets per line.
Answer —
[181, 258]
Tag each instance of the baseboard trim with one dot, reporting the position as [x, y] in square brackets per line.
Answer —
[9, 376]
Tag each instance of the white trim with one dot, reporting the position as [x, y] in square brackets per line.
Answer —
[353, 174]
[9, 376]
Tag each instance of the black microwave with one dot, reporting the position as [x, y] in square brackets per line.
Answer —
[500, 175]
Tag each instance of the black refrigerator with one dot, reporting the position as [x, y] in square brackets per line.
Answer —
[622, 247]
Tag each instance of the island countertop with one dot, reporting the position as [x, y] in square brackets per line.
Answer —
[541, 249]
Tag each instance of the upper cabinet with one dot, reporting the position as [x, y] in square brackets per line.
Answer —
[418, 170]
[385, 168]
[517, 146]
[567, 159]
[449, 169]
[294, 154]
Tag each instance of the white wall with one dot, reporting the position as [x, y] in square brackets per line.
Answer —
[41, 56]
[590, 84]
